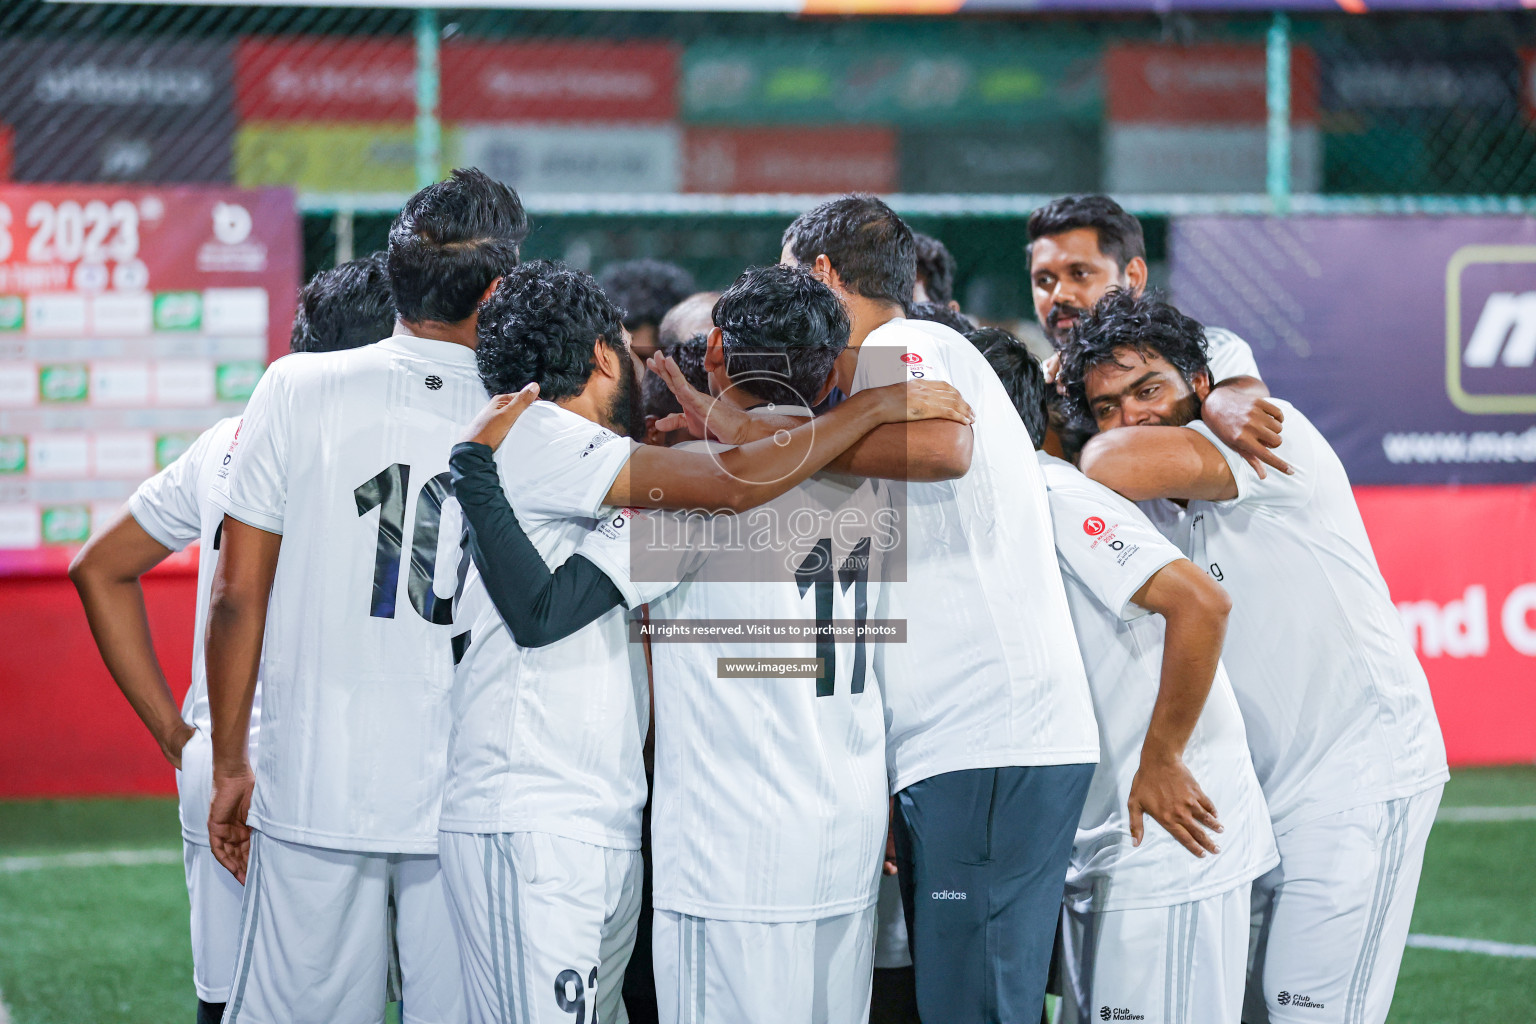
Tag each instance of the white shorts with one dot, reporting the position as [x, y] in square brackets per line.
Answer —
[321, 926]
[1330, 923]
[215, 896]
[545, 926]
[1182, 964]
[711, 971]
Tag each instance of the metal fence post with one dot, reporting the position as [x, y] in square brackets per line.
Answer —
[429, 130]
[1278, 100]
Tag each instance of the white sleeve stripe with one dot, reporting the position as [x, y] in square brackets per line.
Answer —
[157, 528]
[249, 516]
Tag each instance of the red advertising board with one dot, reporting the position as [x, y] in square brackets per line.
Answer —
[789, 160]
[559, 81]
[1461, 565]
[1205, 84]
[325, 78]
[131, 318]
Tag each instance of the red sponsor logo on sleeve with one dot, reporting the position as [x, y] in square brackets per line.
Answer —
[911, 357]
[1093, 526]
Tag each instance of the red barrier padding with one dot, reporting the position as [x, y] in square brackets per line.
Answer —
[66, 729]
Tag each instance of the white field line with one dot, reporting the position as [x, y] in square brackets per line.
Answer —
[1486, 814]
[5, 1014]
[1451, 944]
[89, 859]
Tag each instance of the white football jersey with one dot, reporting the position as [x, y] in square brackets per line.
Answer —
[1108, 550]
[1336, 704]
[1228, 355]
[174, 508]
[346, 455]
[770, 800]
[549, 739]
[990, 675]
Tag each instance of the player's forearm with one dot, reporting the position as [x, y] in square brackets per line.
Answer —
[1144, 463]
[1253, 387]
[119, 622]
[926, 450]
[538, 606]
[1195, 626]
[763, 470]
[232, 654]
[237, 624]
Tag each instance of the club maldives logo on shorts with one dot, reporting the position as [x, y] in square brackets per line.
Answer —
[1490, 329]
[1093, 526]
[1119, 1013]
[1285, 998]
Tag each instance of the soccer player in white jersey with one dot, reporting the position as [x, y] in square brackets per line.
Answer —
[339, 552]
[340, 308]
[1080, 246]
[1156, 927]
[1340, 722]
[541, 814]
[990, 738]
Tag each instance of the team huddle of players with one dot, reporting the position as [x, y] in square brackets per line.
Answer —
[945, 658]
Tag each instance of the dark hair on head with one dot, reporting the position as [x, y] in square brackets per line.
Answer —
[656, 397]
[449, 242]
[1019, 370]
[1144, 324]
[868, 245]
[645, 289]
[540, 325]
[782, 330]
[939, 313]
[345, 307]
[935, 268]
[1119, 233]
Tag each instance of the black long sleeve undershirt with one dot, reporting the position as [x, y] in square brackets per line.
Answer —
[538, 605]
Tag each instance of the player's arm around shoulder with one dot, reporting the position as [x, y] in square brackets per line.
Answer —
[1143, 463]
[930, 450]
[1195, 609]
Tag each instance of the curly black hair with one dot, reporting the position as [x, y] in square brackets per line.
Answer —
[939, 313]
[782, 330]
[540, 325]
[645, 289]
[345, 307]
[449, 242]
[1120, 235]
[935, 268]
[869, 246]
[1020, 372]
[1145, 324]
[656, 397]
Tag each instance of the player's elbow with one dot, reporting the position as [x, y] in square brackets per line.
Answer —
[88, 569]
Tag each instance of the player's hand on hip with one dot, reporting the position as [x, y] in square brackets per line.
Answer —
[703, 416]
[228, 834]
[490, 426]
[1247, 424]
[923, 400]
[1165, 789]
[172, 746]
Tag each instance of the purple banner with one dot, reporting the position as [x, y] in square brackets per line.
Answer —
[1409, 341]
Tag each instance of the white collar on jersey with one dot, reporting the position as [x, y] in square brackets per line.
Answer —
[430, 348]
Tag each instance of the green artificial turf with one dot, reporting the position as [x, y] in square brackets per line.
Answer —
[108, 945]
